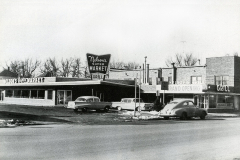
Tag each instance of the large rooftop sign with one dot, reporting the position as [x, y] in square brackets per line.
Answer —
[98, 63]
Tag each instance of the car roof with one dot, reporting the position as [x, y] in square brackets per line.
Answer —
[87, 97]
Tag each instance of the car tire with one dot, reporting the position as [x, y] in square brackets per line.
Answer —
[119, 108]
[183, 116]
[203, 115]
[166, 118]
[84, 109]
[106, 109]
[75, 110]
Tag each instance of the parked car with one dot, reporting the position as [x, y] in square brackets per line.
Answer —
[89, 102]
[183, 109]
[129, 104]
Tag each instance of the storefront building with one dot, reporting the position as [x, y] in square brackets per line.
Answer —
[51, 91]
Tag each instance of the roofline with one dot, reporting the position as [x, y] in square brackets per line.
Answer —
[53, 83]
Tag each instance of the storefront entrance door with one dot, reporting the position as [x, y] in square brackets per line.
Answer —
[63, 96]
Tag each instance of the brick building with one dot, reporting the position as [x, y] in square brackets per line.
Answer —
[213, 86]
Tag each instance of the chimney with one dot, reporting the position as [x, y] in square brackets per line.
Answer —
[199, 62]
[173, 73]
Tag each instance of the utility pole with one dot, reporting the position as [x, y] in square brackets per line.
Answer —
[145, 80]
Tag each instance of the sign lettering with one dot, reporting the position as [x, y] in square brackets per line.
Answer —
[221, 88]
[98, 63]
[25, 80]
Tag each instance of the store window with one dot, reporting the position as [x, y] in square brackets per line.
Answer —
[17, 93]
[225, 102]
[25, 94]
[33, 94]
[221, 80]
[41, 94]
[50, 94]
[9, 93]
[212, 101]
[196, 79]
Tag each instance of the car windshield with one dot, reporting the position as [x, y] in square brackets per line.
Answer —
[81, 99]
[171, 105]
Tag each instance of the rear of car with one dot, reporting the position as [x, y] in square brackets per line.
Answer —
[183, 109]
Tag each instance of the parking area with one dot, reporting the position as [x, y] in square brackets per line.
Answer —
[25, 115]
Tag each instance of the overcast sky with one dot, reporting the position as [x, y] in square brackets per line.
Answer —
[129, 30]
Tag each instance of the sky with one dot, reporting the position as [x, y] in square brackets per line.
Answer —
[129, 30]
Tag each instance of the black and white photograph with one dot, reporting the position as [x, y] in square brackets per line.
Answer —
[120, 79]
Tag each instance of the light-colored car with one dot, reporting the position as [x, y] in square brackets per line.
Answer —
[129, 104]
[89, 102]
[183, 109]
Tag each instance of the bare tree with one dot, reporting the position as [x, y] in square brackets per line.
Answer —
[66, 67]
[122, 65]
[181, 60]
[24, 68]
[14, 67]
[76, 68]
[131, 65]
[51, 65]
[29, 66]
[189, 60]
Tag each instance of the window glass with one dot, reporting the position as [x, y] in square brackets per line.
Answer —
[81, 99]
[25, 93]
[170, 80]
[150, 80]
[68, 96]
[90, 100]
[17, 93]
[199, 79]
[221, 99]
[194, 80]
[9, 93]
[229, 99]
[50, 93]
[190, 103]
[41, 94]
[33, 94]
[218, 80]
[225, 80]
[96, 100]
[129, 101]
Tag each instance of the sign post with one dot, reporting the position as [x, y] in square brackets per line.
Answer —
[164, 86]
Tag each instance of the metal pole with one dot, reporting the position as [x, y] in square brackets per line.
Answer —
[135, 96]
[145, 69]
[139, 108]
[163, 97]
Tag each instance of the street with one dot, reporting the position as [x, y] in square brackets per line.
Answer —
[167, 139]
